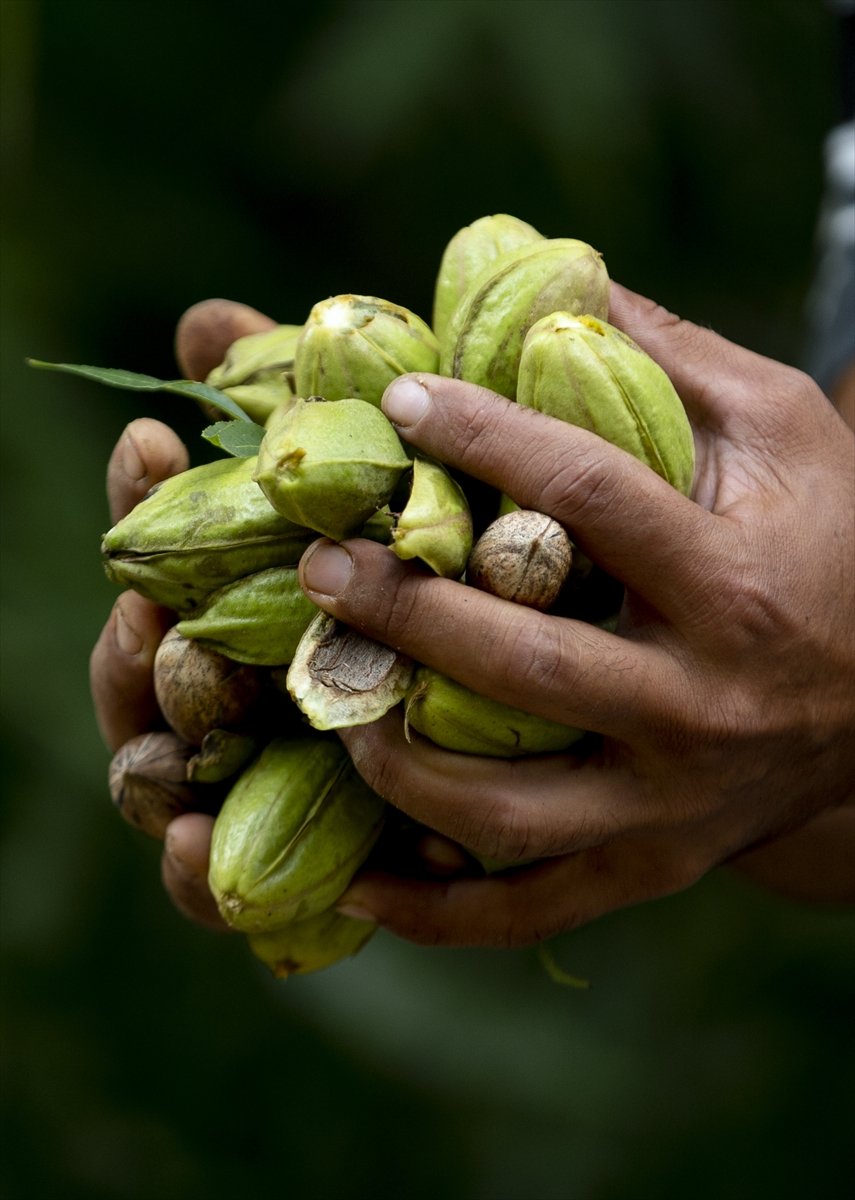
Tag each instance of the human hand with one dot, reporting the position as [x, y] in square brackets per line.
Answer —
[122, 685]
[121, 664]
[122, 661]
[725, 703]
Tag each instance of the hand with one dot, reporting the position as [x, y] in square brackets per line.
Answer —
[121, 665]
[122, 660]
[725, 704]
[121, 685]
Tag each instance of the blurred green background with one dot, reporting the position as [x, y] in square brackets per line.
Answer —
[156, 153]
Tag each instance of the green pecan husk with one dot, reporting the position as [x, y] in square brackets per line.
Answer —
[468, 254]
[591, 374]
[330, 464]
[484, 337]
[291, 834]
[456, 718]
[312, 944]
[258, 370]
[354, 346]
[196, 532]
[258, 619]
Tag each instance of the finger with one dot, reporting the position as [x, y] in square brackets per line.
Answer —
[408, 848]
[528, 905]
[568, 671]
[147, 453]
[620, 512]
[121, 669]
[511, 810]
[442, 857]
[207, 329]
[184, 869]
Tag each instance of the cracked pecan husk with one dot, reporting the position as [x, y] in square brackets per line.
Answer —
[436, 522]
[354, 346]
[330, 464]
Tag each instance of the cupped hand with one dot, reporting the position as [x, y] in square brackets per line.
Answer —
[122, 661]
[121, 664]
[689, 769]
[724, 702]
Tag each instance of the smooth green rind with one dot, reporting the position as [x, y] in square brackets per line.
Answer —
[456, 718]
[222, 754]
[258, 619]
[483, 341]
[311, 945]
[290, 835]
[255, 354]
[468, 254]
[589, 373]
[330, 464]
[506, 505]
[436, 523]
[198, 531]
[354, 346]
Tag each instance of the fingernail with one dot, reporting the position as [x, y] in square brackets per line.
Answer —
[405, 401]
[326, 568]
[441, 855]
[170, 851]
[132, 463]
[356, 913]
[127, 638]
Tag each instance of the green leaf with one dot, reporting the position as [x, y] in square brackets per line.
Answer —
[131, 381]
[202, 391]
[235, 437]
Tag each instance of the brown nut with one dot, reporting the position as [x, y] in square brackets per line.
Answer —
[523, 556]
[148, 781]
[199, 690]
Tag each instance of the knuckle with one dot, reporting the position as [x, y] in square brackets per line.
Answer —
[679, 870]
[585, 486]
[527, 653]
[524, 927]
[496, 829]
[377, 766]
[476, 433]
[401, 617]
